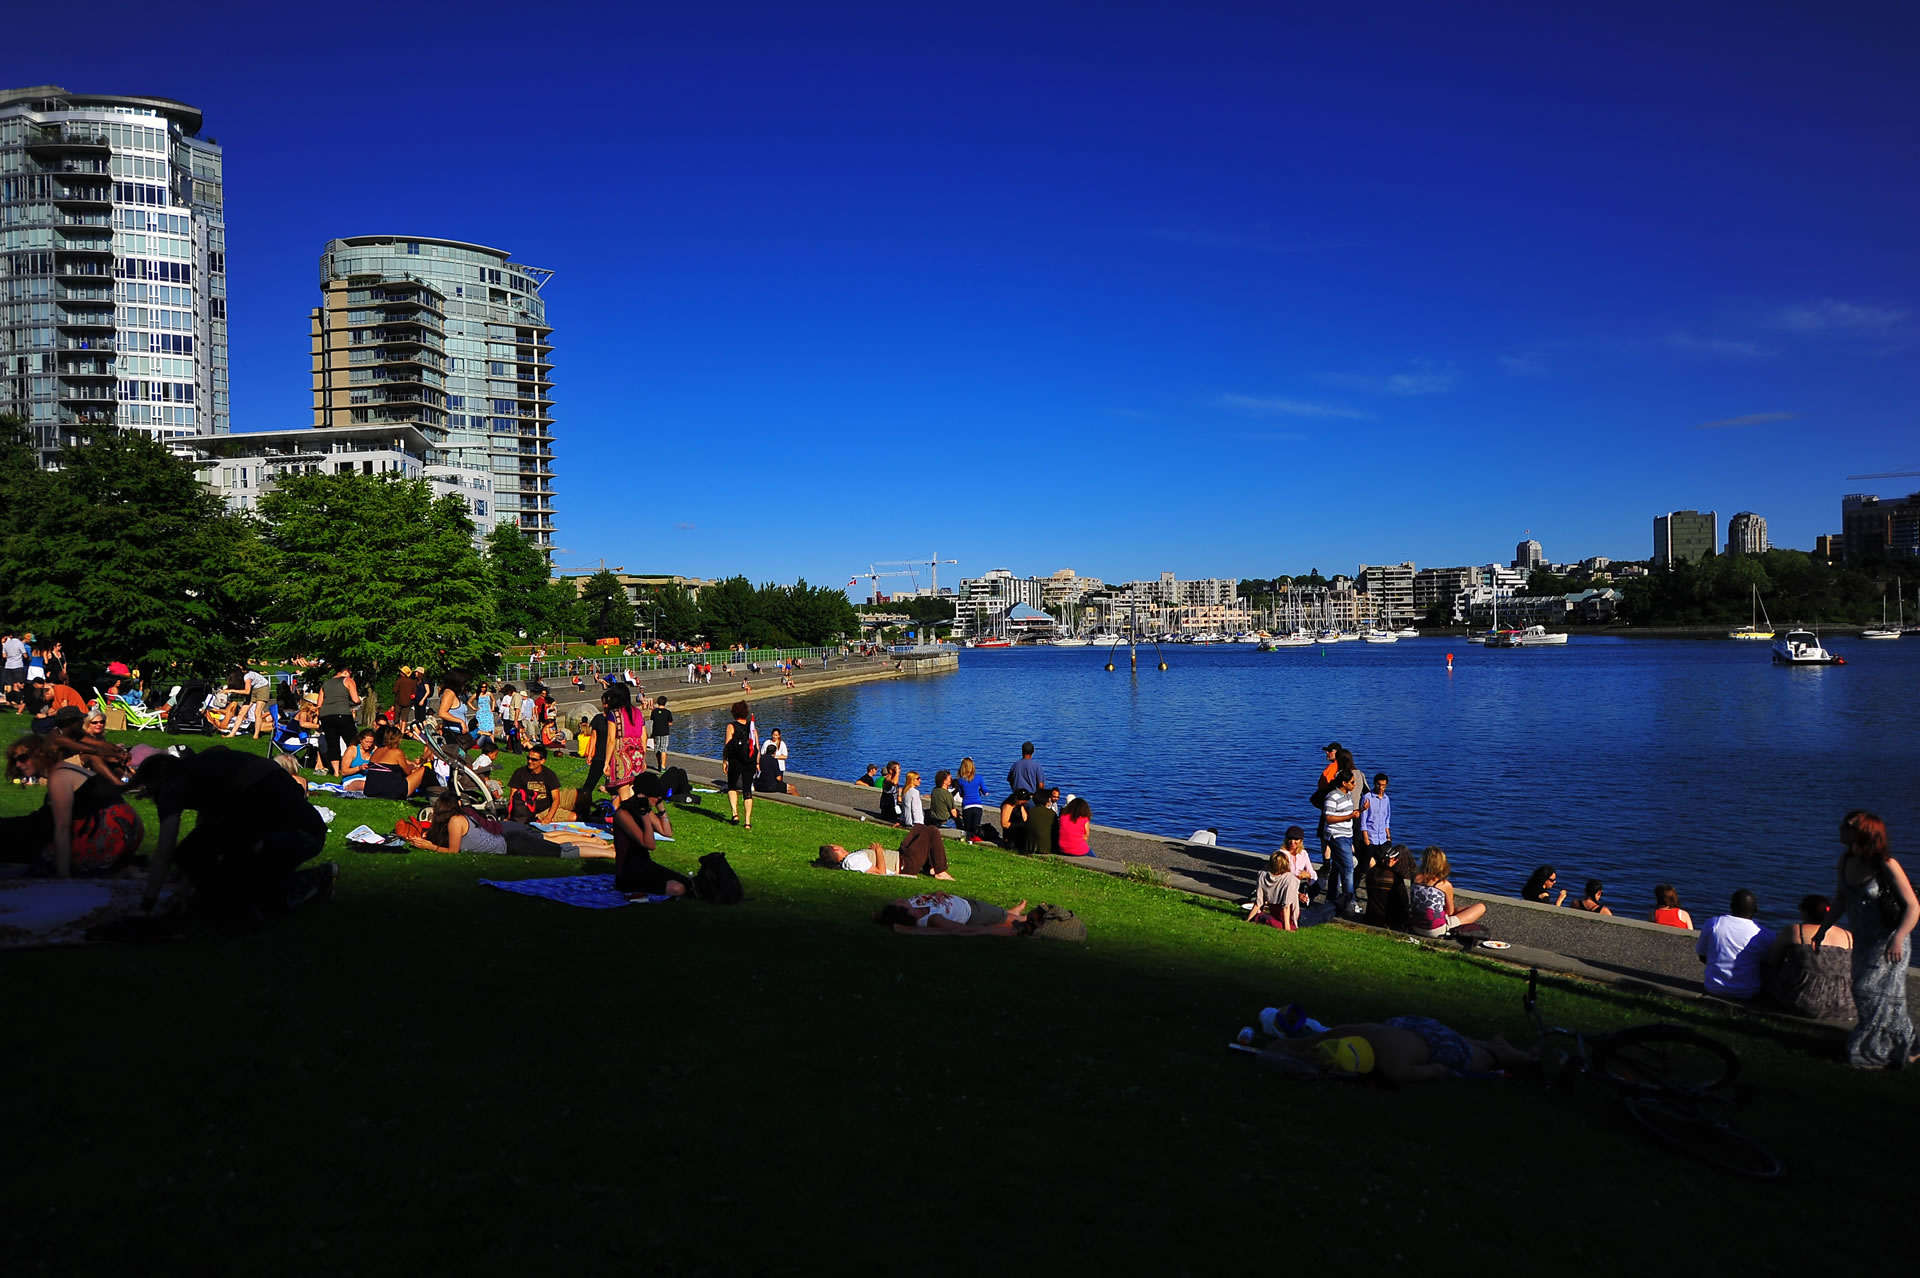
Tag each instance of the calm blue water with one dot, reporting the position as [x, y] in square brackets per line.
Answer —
[1629, 760]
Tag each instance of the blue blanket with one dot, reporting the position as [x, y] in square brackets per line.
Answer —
[587, 891]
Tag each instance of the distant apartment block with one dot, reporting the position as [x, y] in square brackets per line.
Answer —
[1687, 535]
[113, 267]
[1439, 586]
[1829, 546]
[241, 468]
[1391, 588]
[451, 338]
[1747, 534]
[1528, 555]
[1872, 529]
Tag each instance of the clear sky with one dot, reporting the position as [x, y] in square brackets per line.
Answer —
[1218, 289]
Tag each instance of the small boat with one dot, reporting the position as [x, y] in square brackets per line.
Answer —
[1802, 648]
[1292, 639]
[1070, 641]
[1107, 639]
[1380, 636]
[1883, 630]
[990, 643]
[1752, 630]
[1329, 636]
[1531, 637]
[1350, 636]
[1406, 632]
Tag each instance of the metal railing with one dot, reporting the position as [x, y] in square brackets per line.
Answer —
[592, 667]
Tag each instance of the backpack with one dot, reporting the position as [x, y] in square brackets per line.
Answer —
[739, 751]
[716, 883]
[1056, 922]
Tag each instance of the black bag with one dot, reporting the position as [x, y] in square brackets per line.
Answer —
[716, 883]
[1320, 792]
[1892, 908]
[1055, 922]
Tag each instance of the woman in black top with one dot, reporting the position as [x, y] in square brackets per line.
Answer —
[737, 753]
[634, 869]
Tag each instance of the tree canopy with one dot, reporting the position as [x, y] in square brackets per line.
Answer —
[122, 553]
[603, 610]
[1794, 587]
[372, 571]
[527, 600]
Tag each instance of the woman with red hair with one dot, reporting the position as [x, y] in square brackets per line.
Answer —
[1881, 914]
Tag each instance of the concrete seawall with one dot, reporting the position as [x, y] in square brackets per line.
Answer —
[723, 691]
[1630, 953]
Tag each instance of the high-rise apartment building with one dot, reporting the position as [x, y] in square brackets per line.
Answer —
[1528, 555]
[1747, 534]
[451, 338]
[1440, 585]
[1684, 535]
[113, 272]
[1871, 528]
[1391, 588]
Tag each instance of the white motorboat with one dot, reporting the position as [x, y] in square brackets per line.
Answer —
[1070, 641]
[1380, 636]
[1406, 632]
[1531, 637]
[1106, 639]
[1802, 648]
[1329, 636]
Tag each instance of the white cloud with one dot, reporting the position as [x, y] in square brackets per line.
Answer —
[1273, 406]
[1714, 347]
[1831, 315]
[1429, 377]
[1750, 419]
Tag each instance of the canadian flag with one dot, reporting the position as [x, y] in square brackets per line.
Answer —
[753, 735]
[851, 581]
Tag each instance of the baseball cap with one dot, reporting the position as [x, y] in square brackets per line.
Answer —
[1333, 745]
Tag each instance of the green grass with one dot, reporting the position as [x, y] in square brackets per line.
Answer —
[429, 1076]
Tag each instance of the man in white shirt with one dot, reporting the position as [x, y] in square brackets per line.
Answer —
[1732, 946]
[1341, 806]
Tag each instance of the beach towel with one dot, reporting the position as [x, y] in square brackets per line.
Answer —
[587, 891]
[574, 827]
[40, 912]
[334, 787]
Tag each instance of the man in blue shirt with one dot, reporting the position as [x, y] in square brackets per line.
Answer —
[1026, 774]
[1376, 827]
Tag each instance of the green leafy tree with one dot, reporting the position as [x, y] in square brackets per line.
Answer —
[524, 595]
[674, 614]
[372, 571]
[604, 610]
[122, 553]
[730, 613]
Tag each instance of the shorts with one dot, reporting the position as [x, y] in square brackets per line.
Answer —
[740, 777]
[659, 744]
[986, 914]
[263, 693]
[1445, 1045]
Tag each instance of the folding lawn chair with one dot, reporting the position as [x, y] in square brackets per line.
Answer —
[138, 717]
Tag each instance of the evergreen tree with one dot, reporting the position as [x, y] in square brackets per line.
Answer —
[524, 595]
[675, 616]
[373, 571]
[605, 612]
[122, 553]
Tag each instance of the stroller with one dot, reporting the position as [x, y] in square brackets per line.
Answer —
[187, 711]
[467, 785]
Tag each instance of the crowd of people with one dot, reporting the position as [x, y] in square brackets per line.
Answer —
[1033, 817]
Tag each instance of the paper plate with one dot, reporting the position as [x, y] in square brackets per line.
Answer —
[1495, 945]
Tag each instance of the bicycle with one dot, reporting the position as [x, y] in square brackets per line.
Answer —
[1675, 1082]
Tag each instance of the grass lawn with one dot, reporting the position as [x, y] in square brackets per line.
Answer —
[430, 1076]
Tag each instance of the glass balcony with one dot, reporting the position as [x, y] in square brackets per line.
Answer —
[86, 417]
[53, 140]
[86, 394]
[85, 195]
[85, 344]
[92, 369]
[84, 319]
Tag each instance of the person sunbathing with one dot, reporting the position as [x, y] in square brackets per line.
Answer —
[1401, 1049]
[389, 773]
[944, 914]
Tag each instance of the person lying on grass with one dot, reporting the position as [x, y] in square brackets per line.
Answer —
[1401, 1049]
[458, 828]
[944, 914]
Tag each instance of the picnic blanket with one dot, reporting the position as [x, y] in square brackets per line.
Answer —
[335, 787]
[40, 912]
[574, 827]
[587, 891]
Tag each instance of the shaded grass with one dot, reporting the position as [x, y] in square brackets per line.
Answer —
[428, 1075]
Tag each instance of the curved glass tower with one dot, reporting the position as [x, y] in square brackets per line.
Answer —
[113, 272]
[451, 338]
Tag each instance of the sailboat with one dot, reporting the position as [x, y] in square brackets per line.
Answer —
[1883, 630]
[1751, 630]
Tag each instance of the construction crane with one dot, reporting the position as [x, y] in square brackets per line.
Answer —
[932, 562]
[1909, 473]
[872, 577]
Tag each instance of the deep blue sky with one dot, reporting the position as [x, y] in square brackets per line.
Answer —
[1222, 290]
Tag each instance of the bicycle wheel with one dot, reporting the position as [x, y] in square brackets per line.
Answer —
[1655, 1057]
[1700, 1134]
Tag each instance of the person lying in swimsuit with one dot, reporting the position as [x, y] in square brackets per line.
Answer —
[944, 914]
[1401, 1049]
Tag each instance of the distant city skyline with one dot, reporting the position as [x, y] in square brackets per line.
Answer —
[1209, 290]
